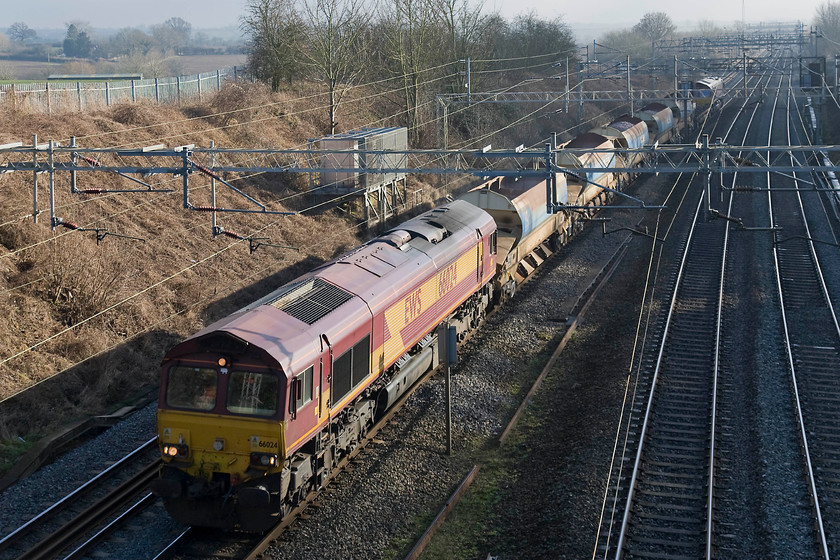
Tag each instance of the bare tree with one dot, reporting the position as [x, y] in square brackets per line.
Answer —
[828, 20]
[412, 33]
[129, 41]
[275, 37]
[174, 32]
[468, 33]
[465, 24]
[655, 26]
[530, 35]
[335, 32]
[622, 43]
[708, 28]
[21, 32]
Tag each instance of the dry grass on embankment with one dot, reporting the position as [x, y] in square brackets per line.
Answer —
[86, 325]
[89, 323]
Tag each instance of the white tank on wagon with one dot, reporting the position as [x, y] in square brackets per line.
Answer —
[588, 166]
[626, 132]
[660, 121]
[518, 206]
[681, 108]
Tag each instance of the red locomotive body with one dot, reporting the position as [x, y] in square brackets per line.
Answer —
[297, 377]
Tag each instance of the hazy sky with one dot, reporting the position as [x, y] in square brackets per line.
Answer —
[42, 14]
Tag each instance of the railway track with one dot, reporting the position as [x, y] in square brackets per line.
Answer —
[86, 515]
[669, 502]
[664, 507]
[682, 440]
[812, 347]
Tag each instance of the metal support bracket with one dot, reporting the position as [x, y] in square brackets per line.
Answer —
[806, 238]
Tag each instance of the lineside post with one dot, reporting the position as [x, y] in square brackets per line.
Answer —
[549, 176]
[448, 352]
[745, 75]
[707, 175]
[73, 160]
[213, 188]
[35, 177]
[53, 220]
[567, 84]
[186, 170]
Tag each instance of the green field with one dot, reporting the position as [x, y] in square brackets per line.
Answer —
[23, 71]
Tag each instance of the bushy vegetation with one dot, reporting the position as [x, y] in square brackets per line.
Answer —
[827, 20]
[410, 47]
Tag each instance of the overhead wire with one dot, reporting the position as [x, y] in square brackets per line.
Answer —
[644, 322]
[158, 283]
[195, 264]
[296, 113]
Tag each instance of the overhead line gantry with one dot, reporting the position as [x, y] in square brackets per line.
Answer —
[705, 157]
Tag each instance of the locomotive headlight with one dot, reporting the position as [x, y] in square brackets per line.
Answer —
[176, 450]
[263, 460]
[218, 444]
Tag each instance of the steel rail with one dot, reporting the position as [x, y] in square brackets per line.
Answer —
[823, 541]
[708, 540]
[644, 429]
[71, 531]
[142, 504]
[6, 541]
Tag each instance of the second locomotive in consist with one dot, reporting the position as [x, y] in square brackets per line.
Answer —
[258, 408]
[708, 91]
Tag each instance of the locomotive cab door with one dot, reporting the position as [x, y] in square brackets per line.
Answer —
[479, 253]
[324, 382]
[324, 456]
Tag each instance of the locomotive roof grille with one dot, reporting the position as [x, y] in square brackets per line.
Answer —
[311, 300]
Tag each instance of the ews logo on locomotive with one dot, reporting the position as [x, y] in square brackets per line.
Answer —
[413, 303]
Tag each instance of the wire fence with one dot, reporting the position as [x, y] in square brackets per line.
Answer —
[60, 97]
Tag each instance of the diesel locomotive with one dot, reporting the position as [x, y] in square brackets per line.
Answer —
[258, 408]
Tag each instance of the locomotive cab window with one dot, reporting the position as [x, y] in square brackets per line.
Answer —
[302, 389]
[493, 237]
[252, 393]
[192, 388]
